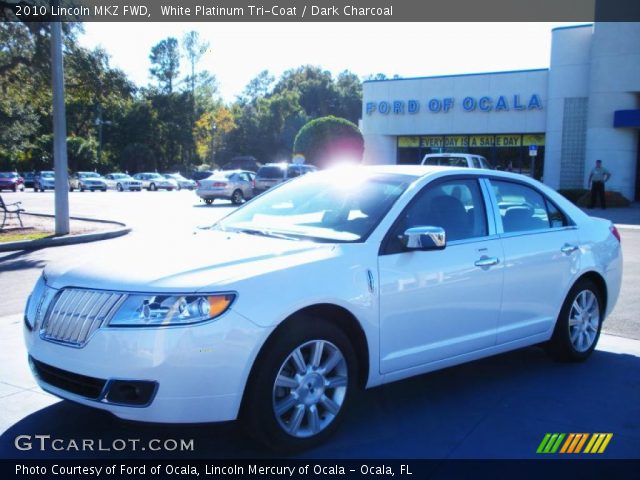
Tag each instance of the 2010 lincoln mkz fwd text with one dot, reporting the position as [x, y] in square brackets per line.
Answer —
[335, 281]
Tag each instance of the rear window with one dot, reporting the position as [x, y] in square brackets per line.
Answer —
[271, 172]
[446, 161]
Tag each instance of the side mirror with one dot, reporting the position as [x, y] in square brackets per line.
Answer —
[424, 238]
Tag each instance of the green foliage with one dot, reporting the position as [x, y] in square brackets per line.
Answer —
[178, 123]
[165, 58]
[326, 140]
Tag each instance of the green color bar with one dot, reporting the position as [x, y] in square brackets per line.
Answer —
[550, 443]
[554, 449]
[543, 443]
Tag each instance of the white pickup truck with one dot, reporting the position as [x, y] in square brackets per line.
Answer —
[456, 160]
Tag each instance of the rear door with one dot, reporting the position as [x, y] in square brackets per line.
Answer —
[541, 259]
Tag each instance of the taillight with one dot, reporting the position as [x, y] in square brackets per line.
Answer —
[615, 232]
[198, 184]
[253, 183]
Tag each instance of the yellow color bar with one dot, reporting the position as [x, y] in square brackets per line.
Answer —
[607, 439]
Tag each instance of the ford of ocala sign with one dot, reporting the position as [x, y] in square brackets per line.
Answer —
[502, 103]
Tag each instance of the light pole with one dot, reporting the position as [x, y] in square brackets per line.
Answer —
[59, 129]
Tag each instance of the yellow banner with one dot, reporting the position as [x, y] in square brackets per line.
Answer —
[533, 140]
[481, 141]
[508, 140]
[408, 142]
[432, 142]
[456, 141]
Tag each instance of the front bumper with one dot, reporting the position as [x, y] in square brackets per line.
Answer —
[199, 371]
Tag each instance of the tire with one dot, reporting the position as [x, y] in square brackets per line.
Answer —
[119, 187]
[82, 189]
[152, 187]
[179, 188]
[71, 189]
[237, 197]
[575, 336]
[208, 201]
[289, 406]
[15, 188]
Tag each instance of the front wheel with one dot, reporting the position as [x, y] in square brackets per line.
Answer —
[578, 326]
[301, 385]
[119, 187]
[152, 187]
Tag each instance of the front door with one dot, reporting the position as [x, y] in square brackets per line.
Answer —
[443, 303]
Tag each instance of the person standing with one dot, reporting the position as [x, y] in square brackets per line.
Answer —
[597, 178]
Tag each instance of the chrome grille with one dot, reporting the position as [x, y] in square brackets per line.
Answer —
[76, 313]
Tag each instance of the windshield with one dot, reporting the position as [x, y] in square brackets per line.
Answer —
[271, 172]
[88, 175]
[46, 174]
[8, 175]
[331, 207]
[119, 176]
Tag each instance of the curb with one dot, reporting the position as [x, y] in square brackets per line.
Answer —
[68, 239]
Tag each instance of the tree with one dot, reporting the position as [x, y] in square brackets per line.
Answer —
[165, 58]
[194, 49]
[328, 140]
[257, 87]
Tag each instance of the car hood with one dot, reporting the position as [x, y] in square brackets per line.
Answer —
[203, 261]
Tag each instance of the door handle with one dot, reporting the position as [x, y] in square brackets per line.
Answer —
[487, 262]
[568, 249]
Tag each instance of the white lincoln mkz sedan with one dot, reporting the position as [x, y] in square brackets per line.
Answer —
[335, 281]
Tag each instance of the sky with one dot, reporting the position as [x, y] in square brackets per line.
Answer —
[239, 51]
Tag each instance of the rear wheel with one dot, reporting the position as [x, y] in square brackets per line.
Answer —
[237, 197]
[152, 187]
[578, 327]
[15, 187]
[300, 387]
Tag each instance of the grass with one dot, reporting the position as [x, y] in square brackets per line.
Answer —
[16, 237]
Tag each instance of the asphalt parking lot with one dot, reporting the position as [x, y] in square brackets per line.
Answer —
[500, 407]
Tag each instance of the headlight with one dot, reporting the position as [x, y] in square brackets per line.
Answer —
[165, 310]
[33, 302]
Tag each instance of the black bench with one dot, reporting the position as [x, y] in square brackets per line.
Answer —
[9, 209]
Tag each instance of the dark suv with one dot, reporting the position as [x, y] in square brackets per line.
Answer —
[273, 174]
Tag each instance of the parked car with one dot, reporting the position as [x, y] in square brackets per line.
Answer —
[234, 185]
[11, 181]
[44, 180]
[28, 179]
[122, 182]
[465, 160]
[273, 174]
[87, 181]
[333, 282]
[181, 181]
[154, 181]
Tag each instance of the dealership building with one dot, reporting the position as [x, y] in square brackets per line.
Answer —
[556, 121]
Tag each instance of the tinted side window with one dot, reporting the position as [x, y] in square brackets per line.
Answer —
[522, 208]
[455, 205]
[476, 162]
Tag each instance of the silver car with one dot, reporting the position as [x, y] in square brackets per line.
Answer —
[181, 181]
[153, 181]
[234, 185]
[273, 174]
[87, 181]
[122, 182]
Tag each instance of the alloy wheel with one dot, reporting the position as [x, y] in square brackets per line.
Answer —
[584, 318]
[310, 388]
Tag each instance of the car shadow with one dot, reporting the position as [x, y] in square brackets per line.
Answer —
[499, 407]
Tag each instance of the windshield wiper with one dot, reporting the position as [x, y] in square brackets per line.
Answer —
[265, 233]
